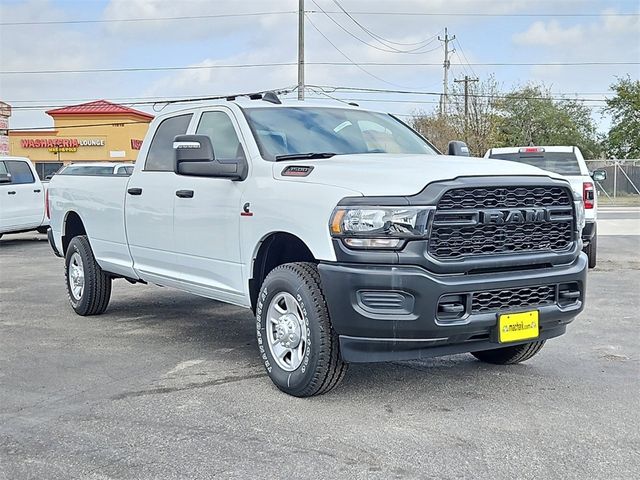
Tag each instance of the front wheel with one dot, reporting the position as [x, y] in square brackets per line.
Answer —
[509, 355]
[88, 287]
[299, 348]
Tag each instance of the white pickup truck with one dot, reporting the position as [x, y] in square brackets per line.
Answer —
[349, 236]
[22, 197]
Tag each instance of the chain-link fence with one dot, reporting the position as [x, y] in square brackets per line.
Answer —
[623, 178]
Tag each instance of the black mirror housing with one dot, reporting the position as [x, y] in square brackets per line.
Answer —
[458, 149]
[599, 175]
[5, 178]
[194, 156]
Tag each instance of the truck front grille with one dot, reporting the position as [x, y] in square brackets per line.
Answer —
[502, 220]
[513, 298]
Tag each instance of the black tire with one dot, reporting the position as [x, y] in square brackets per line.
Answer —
[322, 368]
[509, 355]
[42, 230]
[591, 250]
[96, 293]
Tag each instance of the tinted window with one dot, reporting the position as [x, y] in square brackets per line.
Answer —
[47, 169]
[290, 130]
[161, 153]
[86, 170]
[556, 162]
[20, 172]
[3, 169]
[218, 126]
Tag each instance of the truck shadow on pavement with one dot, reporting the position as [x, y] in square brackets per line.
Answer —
[223, 335]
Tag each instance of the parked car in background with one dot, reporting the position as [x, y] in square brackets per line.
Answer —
[568, 162]
[22, 197]
[96, 168]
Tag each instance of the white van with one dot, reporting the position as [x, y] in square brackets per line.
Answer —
[568, 162]
[22, 197]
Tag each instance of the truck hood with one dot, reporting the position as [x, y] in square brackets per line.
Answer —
[402, 174]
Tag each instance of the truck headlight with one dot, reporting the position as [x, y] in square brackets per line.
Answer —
[379, 227]
[580, 217]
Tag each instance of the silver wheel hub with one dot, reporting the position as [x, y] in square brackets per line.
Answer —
[286, 331]
[76, 276]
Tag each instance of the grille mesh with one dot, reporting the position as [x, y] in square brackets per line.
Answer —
[494, 300]
[453, 241]
[504, 197]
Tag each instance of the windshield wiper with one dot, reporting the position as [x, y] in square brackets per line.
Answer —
[304, 156]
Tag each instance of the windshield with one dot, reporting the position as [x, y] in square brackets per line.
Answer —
[557, 162]
[292, 130]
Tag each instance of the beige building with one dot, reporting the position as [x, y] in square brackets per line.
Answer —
[95, 131]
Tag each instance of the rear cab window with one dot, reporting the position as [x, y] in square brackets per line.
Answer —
[562, 163]
[160, 157]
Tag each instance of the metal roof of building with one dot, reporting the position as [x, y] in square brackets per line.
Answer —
[99, 107]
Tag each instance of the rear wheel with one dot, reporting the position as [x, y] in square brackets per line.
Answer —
[591, 251]
[509, 355]
[299, 348]
[88, 287]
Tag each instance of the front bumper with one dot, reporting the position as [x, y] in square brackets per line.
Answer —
[394, 312]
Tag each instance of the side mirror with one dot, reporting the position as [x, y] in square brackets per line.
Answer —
[458, 149]
[5, 178]
[599, 175]
[194, 156]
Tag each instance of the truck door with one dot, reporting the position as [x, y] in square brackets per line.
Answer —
[149, 204]
[23, 198]
[207, 216]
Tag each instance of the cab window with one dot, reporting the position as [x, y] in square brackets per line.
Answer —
[20, 172]
[218, 126]
[161, 155]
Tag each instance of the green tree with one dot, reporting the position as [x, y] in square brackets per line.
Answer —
[623, 139]
[532, 116]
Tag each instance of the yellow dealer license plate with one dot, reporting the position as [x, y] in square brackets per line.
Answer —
[515, 327]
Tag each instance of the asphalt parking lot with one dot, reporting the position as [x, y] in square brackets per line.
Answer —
[167, 385]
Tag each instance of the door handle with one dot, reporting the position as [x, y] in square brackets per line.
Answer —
[134, 191]
[12, 192]
[37, 190]
[184, 193]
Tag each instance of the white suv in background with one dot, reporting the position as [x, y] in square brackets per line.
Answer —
[22, 197]
[568, 162]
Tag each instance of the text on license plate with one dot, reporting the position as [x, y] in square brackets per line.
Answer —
[514, 327]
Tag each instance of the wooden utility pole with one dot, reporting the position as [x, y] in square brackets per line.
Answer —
[466, 80]
[446, 65]
[300, 49]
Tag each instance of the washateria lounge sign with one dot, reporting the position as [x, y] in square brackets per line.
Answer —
[61, 144]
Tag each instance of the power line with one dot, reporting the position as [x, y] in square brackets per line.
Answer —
[347, 57]
[334, 88]
[337, 64]
[145, 19]
[389, 49]
[395, 13]
[380, 38]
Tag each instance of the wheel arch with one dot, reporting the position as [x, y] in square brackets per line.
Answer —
[273, 250]
[72, 226]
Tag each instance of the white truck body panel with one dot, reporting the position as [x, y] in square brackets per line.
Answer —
[22, 203]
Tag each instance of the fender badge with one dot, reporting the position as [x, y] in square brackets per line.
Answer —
[296, 171]
[246, 212]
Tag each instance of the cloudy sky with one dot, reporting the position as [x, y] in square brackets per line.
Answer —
[492, 37]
